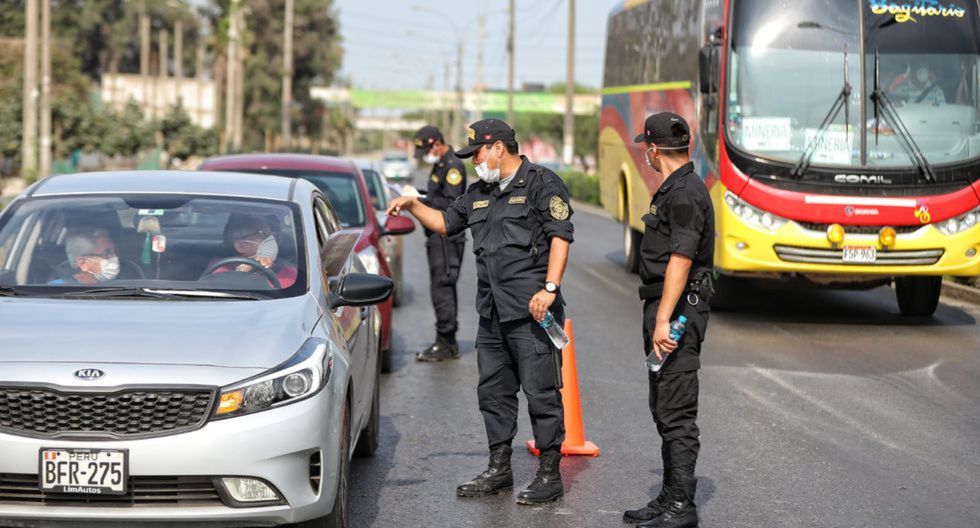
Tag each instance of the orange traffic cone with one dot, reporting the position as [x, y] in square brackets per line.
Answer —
[575, 442]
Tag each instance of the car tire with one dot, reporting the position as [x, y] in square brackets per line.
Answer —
[918, 296]
[396, 276]
[340, 516]
[386, 361]
[367, 445]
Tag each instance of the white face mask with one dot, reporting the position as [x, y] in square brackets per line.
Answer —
[109, 269]
[922, 74]
[430, 158]
[485, 173]
[268, 248]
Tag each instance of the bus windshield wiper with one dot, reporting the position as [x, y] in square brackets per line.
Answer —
[884, 107]
[161, 294]
[842, 101]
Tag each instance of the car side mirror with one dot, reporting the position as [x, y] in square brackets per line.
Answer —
[707, 68]
[359, 289]
[398, 225]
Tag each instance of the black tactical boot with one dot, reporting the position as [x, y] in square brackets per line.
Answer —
[496, 478]
[444, 348]
[547, 485]
[654, 508]
[681, 511]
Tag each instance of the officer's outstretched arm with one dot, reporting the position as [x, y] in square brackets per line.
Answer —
[427, 216]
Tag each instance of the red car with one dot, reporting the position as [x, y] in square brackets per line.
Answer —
[343, 184]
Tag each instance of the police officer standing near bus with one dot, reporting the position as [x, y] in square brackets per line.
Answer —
[447, 182]
[675, 267]
[520, 222]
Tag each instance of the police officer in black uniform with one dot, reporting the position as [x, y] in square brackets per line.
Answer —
[676, 260]
[519, 218]
[447, 182]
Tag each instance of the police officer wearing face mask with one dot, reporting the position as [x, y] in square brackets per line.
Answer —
[676, 260]
[519, 217]
[447, 182]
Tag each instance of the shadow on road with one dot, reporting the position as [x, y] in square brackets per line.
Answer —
[369, 475]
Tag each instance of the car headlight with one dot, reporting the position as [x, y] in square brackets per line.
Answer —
[752, 215]
[960, 223]
[302, 376]
[369, 257]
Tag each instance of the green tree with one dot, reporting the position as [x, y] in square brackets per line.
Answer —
[130, 133]
[183, 139]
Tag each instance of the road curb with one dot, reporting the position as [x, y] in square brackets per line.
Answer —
[961, 292]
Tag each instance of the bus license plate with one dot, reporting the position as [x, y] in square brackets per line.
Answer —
[84, 471]
[860, 254]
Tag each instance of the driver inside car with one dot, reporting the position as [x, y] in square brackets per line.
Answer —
[251, 237]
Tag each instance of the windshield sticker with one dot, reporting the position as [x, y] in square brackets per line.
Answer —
[152, 212]
[764, 134]
[907, 11]
[836, 147]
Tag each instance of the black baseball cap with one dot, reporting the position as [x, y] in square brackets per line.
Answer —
[425, 138]
[486, 132]
[665, 129]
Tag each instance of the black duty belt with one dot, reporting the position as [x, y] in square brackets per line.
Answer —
[700, 286]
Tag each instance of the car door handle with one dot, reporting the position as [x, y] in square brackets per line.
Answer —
[364, 313]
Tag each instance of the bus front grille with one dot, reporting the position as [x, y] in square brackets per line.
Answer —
[923, 257]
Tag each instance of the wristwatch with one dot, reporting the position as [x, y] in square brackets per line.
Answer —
[550, 287]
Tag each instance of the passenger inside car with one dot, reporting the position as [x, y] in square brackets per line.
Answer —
[92, 258]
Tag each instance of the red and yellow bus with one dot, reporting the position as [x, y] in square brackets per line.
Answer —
[840, 139]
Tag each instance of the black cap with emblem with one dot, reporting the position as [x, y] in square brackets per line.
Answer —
[425, 138]
[665, 129]
[485, 132]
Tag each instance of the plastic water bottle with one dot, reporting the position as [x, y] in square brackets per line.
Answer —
[676, 332]
[555, 332]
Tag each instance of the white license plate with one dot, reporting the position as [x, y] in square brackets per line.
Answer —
[84, 471]
[860, 254]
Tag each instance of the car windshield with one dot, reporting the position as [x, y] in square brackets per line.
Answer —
[375, 185]
[788, 68]
[196, 245]
[341, 189]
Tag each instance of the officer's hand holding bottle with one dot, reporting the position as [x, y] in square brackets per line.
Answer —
[662, 343]
[539, 304]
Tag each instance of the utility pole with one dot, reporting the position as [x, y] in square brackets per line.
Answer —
[568, 150]
[442, 100]
[456, 132]
[28, 151]
[478, 114]
[199, 74]
[239, 81]
[179, 59]
[44, 168]
[145, 59]
[287, 75]
[510, 67]
[230, 75]
[160, 99]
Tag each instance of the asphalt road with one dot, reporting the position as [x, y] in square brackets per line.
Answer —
[818, 409]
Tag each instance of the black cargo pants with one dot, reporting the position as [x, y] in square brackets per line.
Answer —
[445, 258]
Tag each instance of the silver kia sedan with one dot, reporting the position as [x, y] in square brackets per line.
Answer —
[182, 348]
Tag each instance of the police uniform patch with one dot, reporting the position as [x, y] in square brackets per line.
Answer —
[517, 200]
[653, 209]
[482, 204]
[471, 134]
[454, 177]
[559, 209]
[435, 179]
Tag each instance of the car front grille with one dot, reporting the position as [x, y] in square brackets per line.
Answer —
[860, 229]
[124, 414]
[141, 491]
[923, 257]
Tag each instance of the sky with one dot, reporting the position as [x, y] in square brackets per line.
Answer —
[404, 44]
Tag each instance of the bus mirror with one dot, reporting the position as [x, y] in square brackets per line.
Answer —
[707, 77]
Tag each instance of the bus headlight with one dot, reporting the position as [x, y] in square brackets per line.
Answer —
[960, 223]
[753, 215]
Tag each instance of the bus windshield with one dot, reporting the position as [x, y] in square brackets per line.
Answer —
[791, 60]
